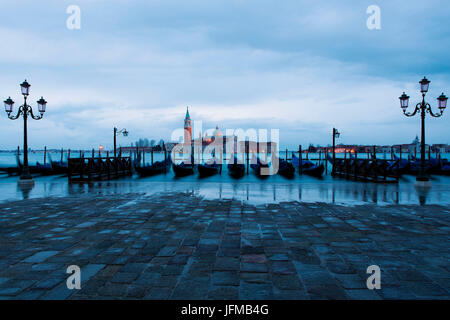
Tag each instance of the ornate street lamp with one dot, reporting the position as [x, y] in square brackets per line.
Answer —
[423, 107]
[25, 110]
[124, 132]
[336, 134]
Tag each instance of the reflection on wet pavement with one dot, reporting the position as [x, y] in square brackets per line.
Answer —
[250, 190]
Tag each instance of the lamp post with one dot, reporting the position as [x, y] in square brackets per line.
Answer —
[25, 110]
[336, 134]
[116, 133]
[423, 107]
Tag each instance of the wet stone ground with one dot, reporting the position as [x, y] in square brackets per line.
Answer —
[179, 246]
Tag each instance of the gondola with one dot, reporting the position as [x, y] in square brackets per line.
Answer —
[208, 169]
[312, 169]
[236, 169]
[10, 170]
[257, 165]
[156, 168]
[42, 169]
[403, 166]
[445, 169]
[431, 166]
[285, 168]
[183, 169]
[308, 167]
[60, 167]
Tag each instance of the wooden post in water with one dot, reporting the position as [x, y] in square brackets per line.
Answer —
[326, 161]
[300, 159]
[62, 155]
[286, 155]
[345, 154]
[247, 149]
[68, 155]
[93, 153]
[415, 153]
[152, 155]
[429, 153]
[143, 156]
[165, 159]
[108, 164]
[374, 152]
[45, 155]
[221, 160]
[320, 156]
[392, 153]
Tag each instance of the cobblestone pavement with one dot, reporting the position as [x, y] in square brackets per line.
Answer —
[179, 246]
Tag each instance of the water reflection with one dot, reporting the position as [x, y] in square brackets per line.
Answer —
[25, 190]
[253, 191]
[422, 193]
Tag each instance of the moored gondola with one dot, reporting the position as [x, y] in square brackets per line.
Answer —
[42, 169]
[60, 167]
[257, 165]
[236, 169]
[308, 167]
[312, 169]
[156, 168]
[183, 169]
[208, 169]
[285, 168]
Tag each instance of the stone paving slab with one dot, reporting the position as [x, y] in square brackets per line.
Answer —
[180, 246]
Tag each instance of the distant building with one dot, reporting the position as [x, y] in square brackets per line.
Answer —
[187, 128]
[227, 141]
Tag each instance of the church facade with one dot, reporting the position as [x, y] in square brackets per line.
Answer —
[230, 144]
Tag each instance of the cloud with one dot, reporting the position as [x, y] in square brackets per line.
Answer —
[301, 66]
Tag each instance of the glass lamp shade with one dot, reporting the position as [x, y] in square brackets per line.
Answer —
[404, 100]
[25, 87]
[442, 101]
[424, 84]
[125, 133]
[9, 103]
[41, 105]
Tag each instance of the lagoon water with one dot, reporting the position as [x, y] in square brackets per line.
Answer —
[251, 189]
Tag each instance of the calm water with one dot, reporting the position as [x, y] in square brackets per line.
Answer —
[249, 188]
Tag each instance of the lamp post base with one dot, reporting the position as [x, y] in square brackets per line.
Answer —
[26, 180]
[423, 182]
[25, 183]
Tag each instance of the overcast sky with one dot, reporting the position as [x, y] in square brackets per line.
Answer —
[295, 65]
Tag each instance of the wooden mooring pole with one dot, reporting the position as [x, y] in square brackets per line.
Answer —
[300, 159]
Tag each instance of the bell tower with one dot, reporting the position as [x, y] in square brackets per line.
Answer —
[187, 128]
